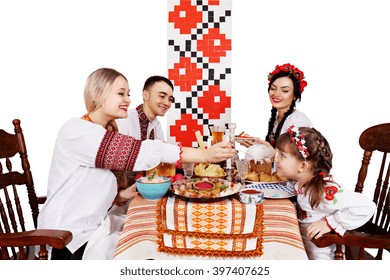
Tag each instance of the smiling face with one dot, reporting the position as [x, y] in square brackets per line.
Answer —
[281, 94]
[158, 98]
[117, 101]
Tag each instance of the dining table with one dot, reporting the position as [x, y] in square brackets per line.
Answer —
[177, 228]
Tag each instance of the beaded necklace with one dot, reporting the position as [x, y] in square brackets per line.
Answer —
[87, 118]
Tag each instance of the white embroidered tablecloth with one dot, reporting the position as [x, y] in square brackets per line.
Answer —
[277, 236]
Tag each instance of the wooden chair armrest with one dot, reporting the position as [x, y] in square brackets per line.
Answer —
[41, 199]
[354, 238]
[54, 238]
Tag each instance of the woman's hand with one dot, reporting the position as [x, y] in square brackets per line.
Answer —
[255, 140]
[317, 229]
[127, 194]
[219, 152]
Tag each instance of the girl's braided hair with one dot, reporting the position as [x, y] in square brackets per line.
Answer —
[320, 160]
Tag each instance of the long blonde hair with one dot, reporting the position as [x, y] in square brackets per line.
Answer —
[96, 90]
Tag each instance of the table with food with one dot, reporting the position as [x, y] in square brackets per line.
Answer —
[209, 217]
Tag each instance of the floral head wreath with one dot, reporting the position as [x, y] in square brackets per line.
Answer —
[288, 68]
[299, 140]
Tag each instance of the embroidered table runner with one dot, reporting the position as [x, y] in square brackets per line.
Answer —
[222, 228]
[139, 237]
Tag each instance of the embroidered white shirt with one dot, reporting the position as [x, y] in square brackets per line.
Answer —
[79, 194]
[297, 118]
[343, 210]
[130, 126]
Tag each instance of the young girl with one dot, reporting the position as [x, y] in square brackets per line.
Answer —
[82, 186]
[285, 86]
[304, 155]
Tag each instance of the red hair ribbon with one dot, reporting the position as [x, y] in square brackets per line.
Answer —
[322, 174]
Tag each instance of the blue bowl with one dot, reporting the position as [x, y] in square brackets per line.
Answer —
[153, 191]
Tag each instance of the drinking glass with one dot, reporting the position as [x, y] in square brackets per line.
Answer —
[217, 132]
[188, 169]
[242, 166]
[232, 129]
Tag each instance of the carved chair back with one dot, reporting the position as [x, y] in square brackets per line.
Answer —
[16, 188]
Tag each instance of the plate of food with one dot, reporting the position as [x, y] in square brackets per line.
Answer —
[209, 170]
[204, 188]
[274, 190]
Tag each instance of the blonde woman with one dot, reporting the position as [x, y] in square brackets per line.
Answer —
[82, 186]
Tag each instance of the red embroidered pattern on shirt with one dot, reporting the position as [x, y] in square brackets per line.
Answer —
[117, 152]
[144, 123]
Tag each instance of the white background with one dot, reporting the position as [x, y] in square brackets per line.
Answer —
[48, 48]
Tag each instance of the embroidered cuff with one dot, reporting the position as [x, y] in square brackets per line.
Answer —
[178, 163]
[330, 220]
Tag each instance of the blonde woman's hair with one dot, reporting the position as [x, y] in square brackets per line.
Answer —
[96, 90]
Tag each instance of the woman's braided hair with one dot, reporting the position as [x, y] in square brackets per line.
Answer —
[297, 97]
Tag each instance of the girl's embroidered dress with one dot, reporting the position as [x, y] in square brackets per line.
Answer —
[342, 209]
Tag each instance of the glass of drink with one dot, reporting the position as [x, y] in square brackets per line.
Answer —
[242, 166]
[217, 132]
[188, 169]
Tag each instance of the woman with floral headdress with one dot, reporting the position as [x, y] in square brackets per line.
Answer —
[285, 87]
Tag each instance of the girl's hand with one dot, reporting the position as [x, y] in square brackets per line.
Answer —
[219, 152]
[318, 229]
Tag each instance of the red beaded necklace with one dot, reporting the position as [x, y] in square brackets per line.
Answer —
[87, 118]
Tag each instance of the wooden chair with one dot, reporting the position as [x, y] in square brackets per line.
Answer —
[16, 186]
[375, 233]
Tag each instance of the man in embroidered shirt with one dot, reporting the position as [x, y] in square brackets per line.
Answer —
[142, 122]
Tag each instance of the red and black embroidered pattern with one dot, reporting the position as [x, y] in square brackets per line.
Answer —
[143, 124]
[151, 136]
[117, 152]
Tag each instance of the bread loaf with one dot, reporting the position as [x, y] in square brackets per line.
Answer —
[163, 169]
[261, 168]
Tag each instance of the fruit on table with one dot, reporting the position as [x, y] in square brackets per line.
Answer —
[177, 177]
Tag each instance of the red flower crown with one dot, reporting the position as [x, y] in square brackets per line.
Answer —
[288, 68]
[299, 140]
